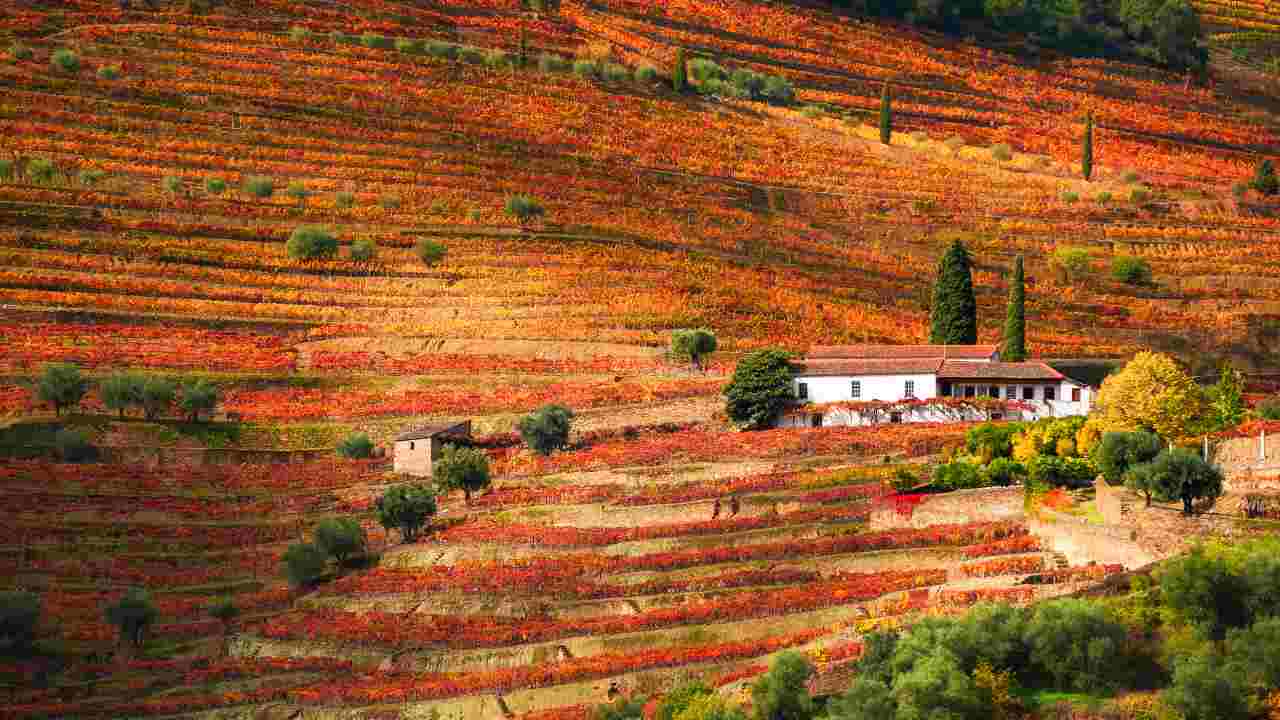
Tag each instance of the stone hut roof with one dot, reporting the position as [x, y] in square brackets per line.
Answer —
[461, 429]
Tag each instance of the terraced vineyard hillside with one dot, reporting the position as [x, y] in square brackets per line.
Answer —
[137, 232]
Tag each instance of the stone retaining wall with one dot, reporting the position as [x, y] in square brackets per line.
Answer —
[957, 507]
[1083, 542]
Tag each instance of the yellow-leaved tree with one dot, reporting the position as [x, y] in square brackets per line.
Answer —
[1151, 392]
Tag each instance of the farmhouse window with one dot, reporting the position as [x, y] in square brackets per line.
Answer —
[1028, 392]
[855, 390]
[944, 389]
[816, 420]
[895, 417]
[1075, 394]
[1011, 392]
[803, 391]
[994, 391]
[909, 391]
[410, 444]
[970, 391]
[1049, 392]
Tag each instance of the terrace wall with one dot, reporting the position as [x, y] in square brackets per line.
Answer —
[1083, 542]
[957, 507]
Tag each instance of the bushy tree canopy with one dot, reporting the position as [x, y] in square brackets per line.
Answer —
[62, 386]
[1177, 474]
[1208, 592]
[132, 615]
[406, 508]
[760, 389]
[1119, 452]
[694, 344]
[340, 538]
[462, 468]
[1077, 643]
[1151, 392]
[304, 563]
[547, 429]
[19, 615]
[783, 693]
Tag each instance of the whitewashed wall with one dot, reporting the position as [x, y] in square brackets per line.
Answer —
[874, 387]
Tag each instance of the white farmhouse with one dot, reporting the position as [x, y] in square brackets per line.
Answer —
[868, 384]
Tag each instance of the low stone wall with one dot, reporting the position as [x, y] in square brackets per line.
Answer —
[957, 507]
[1110, 501]
[207, 456]
[1083, 542]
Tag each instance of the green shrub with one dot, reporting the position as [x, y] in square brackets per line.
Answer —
[472, 55]
[259, 187]
[811, 111]
[341, 38]
[702, 69]
[66, 61]
[499, 59]
[904, 480]
[132, 615]
[1073, 261]
[157, 396]
[646, 74]
[19, 616]
[429, 251]
[783, 691]
[121, 391]
[6, 170]
[409, 46]
[1204, 688]
[304, 564]
[1265, 180]
[1129, 177]
[1269, 409]
[1077, 643]
[42, 171]
[73, 446]
[1070, 197]
[524, 207]
[1118, 452]
[18, 51]
[171, 184]
[614, 72]
[341, 539]
[198, 397]
[389, 201]
[1053, 471]
[957, 475]
[1139, 195]
[374, 41]
[1004, 472]
[215, 186]
[298, 33]
[550, 62]
[363, 250]
[547, 428]
[109, 72]
[1002, 152]
[344, 200]
[585, 68]
[90, 176]
[297, 190]
[1130, 270]
[1239, 189]
[778, 89]
[406, 508]
[693, 344]
[310, 242]
[991, 440]
[356, 446]
[1103, 198]
[442, 50]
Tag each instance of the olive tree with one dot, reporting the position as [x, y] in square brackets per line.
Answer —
[121, 391]
[693, 344]
[547, 428]
[132, 615]
[462, 468]
[62, 386]
[407, 508]
[340, 538]
[157, 395]
[1177, 474]
[304, 563]
[198, 397]
[19, 615]
[783, 693]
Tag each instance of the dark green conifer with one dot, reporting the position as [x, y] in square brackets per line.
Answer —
[680, 75]
[954, 316]
[1086, 159]
[886, 115]
[1015, 324]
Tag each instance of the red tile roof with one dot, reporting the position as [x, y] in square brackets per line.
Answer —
[835, 368]
[998, 371]
[898, 352]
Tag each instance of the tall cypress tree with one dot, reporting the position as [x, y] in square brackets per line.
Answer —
[1015, 323]
[680, 75]
[523, 57]
[954, 317]
[1086, 160]
[886, 115]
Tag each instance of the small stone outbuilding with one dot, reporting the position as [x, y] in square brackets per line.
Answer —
[417, 449]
